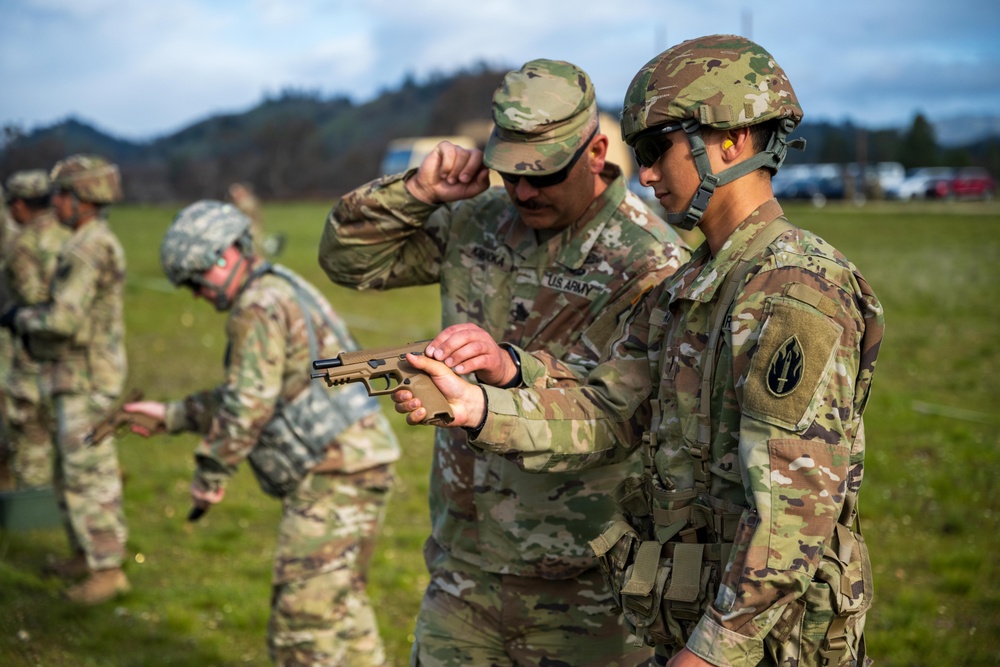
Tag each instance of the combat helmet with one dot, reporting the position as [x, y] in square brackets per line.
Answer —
[90, 178]
[28, 184]
[198, 237]
[720, 81]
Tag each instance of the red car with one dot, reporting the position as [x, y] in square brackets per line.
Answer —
[973, 183]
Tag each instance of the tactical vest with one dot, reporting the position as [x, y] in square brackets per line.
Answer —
[301, 431]
[665, 555]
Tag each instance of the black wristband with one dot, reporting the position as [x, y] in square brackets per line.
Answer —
[516, 381]
[473, 433]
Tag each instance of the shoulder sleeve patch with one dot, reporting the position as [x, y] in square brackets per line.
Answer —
[791, 365]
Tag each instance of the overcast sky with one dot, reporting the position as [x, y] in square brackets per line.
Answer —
[143, 68]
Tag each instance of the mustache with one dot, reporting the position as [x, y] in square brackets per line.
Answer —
[529, 204]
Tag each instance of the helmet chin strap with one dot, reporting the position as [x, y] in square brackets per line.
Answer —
[772, 157]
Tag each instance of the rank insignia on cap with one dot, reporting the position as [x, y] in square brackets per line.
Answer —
[784, 372]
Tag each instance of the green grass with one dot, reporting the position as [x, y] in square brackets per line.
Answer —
[930, 503]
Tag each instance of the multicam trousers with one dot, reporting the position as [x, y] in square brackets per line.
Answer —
[30, 433]
[320, 612]
[87, 482]
[472, 617]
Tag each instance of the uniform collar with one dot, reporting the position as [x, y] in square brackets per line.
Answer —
[705, 274]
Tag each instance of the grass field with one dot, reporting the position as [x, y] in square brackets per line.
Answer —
[930, 503]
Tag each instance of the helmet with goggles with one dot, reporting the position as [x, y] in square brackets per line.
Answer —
[720, 81]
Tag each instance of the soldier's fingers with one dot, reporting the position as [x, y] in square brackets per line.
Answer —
[402, 396]
[454, 337]
[472, 356]
[472, 167]
[414, 418]
[431, 366]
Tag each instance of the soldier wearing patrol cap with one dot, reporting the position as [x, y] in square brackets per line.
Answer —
[327, 455]
[28, 270]
[742, 379]
[548, 263]
[83, 328]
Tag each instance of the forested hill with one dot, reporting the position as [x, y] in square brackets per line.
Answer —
[301, 145]
[296, 145]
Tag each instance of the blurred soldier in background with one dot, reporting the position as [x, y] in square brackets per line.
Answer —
[8, 232]
[547, 263]
[29, 269]
[83, 330]
[265, 245]
[242, 196]
[327, 455]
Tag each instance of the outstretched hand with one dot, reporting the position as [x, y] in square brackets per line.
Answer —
[465, 399]
[449, 173]
[153, 409]
[468, 348]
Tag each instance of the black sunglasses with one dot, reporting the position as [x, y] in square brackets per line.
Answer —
[652, 144]
[548, 180]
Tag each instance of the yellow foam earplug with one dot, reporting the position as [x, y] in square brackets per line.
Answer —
[727, 144]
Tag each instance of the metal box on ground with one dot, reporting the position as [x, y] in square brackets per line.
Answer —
[29, 509]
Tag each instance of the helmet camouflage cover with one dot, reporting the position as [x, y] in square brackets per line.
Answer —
[199, 235]
[723, 81]
[542, 113]
[28, 184]
[90, 177]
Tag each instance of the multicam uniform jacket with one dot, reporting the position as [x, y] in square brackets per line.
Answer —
[29, 269]
[268, 360]
[81, 328]
[563, 297]
[779, 480]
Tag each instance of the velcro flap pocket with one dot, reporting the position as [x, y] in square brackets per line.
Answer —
[791, 365]
[647, 558]
[685, 584]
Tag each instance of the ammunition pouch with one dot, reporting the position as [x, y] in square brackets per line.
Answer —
[300, 433]
[47, 349]
[825, 627]
[664, 584]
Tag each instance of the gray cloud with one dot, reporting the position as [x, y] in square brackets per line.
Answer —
[141, 69]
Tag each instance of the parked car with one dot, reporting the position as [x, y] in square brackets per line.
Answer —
[816, 183]
[973, 183]
[924, 183]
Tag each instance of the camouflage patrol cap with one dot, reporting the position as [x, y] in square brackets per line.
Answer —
[543, 113]
[90, 177]
[28, 184]
[723, 81]
[199, 235]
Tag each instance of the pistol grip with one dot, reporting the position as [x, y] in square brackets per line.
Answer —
[438, 411]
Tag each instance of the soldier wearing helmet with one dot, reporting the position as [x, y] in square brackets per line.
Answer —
[28, 270]
[8, 233]
[742, 379]
[83, 329]
[547, 262]
[265, 411]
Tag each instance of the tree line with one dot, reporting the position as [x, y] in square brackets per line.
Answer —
[299, 145]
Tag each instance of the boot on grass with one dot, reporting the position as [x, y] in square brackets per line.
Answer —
[74, 567]
[100, 586]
